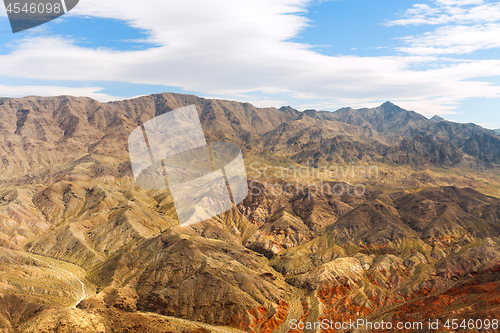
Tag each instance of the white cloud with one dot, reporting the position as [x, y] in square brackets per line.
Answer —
[232, 48]
[181, 22]
[21, 91]
[460, 39]
[467, 26]
[450, 12]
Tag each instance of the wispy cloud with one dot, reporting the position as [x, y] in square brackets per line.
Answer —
[450, 12]
[458, 39]
[466, 26]
[21, 91]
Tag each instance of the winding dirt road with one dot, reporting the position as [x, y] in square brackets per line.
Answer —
[78, 286]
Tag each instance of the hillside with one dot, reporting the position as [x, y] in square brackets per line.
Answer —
[82, 247]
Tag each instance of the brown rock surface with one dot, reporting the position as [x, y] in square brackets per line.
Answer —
[75, 228]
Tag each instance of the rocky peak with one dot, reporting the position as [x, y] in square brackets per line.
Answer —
[437, 119]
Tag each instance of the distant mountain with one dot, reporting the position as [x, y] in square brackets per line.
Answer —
[390, 134]
[40, 132]
[497, 131]
[387, 118]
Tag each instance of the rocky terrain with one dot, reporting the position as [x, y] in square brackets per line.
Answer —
[84, 249]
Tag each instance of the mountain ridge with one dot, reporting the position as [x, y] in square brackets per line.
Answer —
[47, 128]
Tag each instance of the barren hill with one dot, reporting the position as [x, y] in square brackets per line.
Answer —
[42, 133]
[419, 242]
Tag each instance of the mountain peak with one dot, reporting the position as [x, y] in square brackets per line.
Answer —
[388, 103]
[287, 108]
[391, 108]
[437, 119]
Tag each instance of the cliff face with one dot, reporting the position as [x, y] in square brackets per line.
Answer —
[75, 228]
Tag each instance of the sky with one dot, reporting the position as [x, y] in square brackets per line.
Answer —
[434, 57]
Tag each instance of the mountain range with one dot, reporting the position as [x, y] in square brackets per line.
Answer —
[39, 132]
[83, 248]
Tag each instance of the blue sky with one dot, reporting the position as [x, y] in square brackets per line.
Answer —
[434, 57]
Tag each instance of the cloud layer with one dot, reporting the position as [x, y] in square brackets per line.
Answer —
[242, 48]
